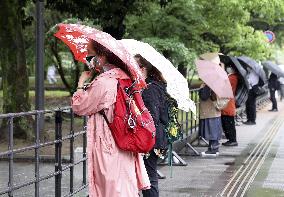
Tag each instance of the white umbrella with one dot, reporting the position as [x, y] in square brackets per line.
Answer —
[281, 66]
[177, 85]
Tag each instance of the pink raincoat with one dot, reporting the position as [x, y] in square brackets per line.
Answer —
[112, 172]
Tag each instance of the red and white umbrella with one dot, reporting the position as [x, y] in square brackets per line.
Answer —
[77, 37]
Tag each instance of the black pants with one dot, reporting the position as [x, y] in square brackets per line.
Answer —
[273, 99]
[213, 145]
[151, 167]
[251, 106]
[229, 128]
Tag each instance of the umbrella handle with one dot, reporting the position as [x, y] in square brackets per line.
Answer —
[131, 87]
[171, 159]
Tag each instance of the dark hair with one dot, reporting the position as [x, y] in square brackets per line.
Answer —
[273, 76]
[111, 57]
[152, 72]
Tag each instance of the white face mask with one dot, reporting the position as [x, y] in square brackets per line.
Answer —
[229, 70]
[93, 62]
[249, 69]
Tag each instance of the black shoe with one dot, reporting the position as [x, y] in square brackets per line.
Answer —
[229, 143]
[249, 123]
[273, 110]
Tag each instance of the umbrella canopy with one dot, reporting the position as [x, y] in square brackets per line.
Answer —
[273, 68]
[247, 61]
[77, 37]
[281, 66]
[281, 79]
[229, 60]
[215, 77]
[177, 85]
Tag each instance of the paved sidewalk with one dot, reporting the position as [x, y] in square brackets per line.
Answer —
[208, 176]
[201, 177]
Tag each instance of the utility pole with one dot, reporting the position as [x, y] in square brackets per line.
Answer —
[39, 74]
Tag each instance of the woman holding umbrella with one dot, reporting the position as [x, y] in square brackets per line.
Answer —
[229, 112]
[273, 85]
[256, 78]
[112, 171]
[154, 98]
[253, 79]
[211, 104]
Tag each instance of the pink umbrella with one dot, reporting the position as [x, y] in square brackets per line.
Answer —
[77, 37]
[215, 77]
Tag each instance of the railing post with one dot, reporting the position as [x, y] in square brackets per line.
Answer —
[39, 85]
[58, 159]
[37, 140]
[197, 117]
[11, 156]
[84, 152]
[186, 123]
[191, 114]
[71, 151]
[182, 120]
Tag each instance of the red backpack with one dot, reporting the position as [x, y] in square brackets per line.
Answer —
[133, 128]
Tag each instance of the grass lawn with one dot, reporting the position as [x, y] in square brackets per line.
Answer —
[52, 93]
[49, 135]
[47, 93]
[52, 99]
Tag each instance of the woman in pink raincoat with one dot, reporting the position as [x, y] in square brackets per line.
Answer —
[112, 172]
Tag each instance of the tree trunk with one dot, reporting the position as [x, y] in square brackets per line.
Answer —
[182, 69]
[55, 52]
[113, 23]
[71, 85]
[13, 64]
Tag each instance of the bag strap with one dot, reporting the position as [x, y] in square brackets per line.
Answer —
[102, 112]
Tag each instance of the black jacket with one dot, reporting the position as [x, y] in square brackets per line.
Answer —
[154, 98]
[204, 93]
[273, 83]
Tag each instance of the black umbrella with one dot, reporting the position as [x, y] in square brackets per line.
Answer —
[232, 61]
[249, 62]
[273, 68]
[243, 84]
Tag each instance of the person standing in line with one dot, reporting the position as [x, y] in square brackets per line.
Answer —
[228, 114]
[273, 85]
[112, 172]
[154, 97]
[210, 125]
[210, 120]
[253, 80]
[51, 72]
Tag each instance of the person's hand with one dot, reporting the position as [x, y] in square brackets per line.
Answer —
[84, 77]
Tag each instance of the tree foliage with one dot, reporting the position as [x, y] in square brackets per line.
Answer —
[13, 64]
[217, 25]
[109, 14]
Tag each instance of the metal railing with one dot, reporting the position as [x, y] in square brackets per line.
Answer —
[63, 164]
[58, 141]
[261, 101]
[188, 121]
[189, 124]
[62, 115]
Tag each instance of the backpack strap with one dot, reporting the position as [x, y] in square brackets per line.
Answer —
[102, 112]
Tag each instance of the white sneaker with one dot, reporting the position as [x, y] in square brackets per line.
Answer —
[210, 153]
